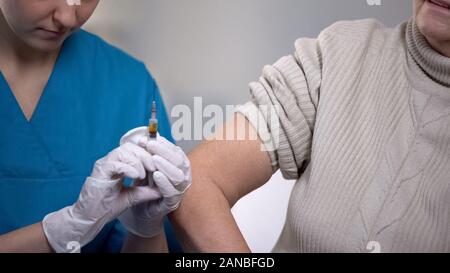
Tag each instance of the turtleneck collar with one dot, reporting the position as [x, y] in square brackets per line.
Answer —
[432, 63]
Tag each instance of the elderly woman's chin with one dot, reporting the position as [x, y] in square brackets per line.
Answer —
[433, 19]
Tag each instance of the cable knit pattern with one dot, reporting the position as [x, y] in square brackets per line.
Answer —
[364, 128]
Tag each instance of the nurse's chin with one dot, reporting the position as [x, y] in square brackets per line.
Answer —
[45, 45]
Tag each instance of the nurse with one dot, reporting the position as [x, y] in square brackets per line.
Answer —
[66, 98]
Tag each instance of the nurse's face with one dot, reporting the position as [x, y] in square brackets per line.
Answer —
[433, 21]
[44, 24]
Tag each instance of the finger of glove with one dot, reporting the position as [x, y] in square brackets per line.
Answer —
[170, 152]
[164, 185]
[173, 173]
[141, 194]
[134, 135]
[166, 142]
[126, 156]
[141, 154]
[124, 169]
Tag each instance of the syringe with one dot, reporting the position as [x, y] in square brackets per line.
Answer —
[153, 124]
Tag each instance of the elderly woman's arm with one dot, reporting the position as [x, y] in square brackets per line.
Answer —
[223, 172]
[283, 110]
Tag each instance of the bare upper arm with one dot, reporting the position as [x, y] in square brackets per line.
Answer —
[234, 159]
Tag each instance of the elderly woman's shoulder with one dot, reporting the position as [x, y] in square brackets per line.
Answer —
[361, 29]
[366, 31]
[355, 27]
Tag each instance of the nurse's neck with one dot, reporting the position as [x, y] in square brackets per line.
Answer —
[25, 69]
[15, 54]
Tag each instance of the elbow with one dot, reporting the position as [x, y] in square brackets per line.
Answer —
[224, 189]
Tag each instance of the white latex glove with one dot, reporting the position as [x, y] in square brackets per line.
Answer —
[172, 178]
[102, 199]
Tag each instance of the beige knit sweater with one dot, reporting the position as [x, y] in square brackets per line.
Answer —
[365, 130]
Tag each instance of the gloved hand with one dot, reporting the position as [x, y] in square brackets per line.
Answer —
[103, 198]
[172, 178]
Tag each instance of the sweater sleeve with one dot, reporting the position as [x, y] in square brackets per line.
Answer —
[284, 106]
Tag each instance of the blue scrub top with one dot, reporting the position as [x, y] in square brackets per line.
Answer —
[95, 94]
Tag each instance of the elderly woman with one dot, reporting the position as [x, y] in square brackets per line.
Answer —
[363, 125]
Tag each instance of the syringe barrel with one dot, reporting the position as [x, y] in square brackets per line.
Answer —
[153, 128]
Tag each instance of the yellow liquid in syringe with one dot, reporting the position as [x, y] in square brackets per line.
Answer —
[153, 129]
